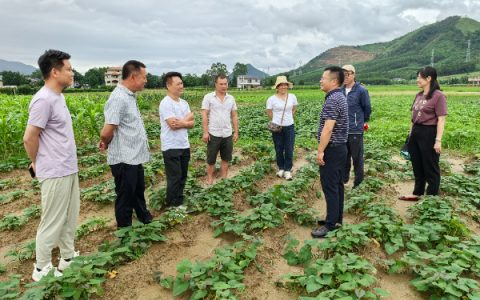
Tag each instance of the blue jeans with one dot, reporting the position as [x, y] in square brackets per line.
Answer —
[284, 142]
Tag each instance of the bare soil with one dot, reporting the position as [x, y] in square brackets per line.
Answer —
[194, 240]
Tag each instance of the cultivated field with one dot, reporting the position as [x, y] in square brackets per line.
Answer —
[248, 237]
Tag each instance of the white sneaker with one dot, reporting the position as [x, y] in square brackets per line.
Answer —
[280, 173]
[63, 264]
[37, 275]
[288, 175]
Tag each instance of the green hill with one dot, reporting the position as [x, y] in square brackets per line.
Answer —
[402, 57]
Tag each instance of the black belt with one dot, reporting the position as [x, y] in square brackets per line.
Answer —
[422, 125]
[334, 145]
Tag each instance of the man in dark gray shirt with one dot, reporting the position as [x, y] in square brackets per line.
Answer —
[332, 148]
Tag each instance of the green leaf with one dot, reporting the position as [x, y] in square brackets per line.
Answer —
[221, 286]
[313, 286]
[199, 294]
[391, 248]
[184, 266]
[453, 291]
[381, 292]
[180, 287]
[348, 286]
[367, 280]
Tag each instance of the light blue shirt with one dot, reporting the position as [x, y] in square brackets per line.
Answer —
[130, 143]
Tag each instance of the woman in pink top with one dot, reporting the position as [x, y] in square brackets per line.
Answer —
[425, 142]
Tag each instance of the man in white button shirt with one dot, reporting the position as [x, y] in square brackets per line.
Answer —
[219, 111]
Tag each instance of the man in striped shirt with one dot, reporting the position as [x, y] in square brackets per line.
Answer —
[332, 148]
[125, 138]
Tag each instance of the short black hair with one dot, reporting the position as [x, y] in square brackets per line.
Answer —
[130, 67]
[167, 78]
[220, 76]
[51, 59]
[337, 72]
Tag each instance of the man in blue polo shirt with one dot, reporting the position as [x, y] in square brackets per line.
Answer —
[332, 148]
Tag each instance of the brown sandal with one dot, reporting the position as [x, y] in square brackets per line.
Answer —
[408, 198]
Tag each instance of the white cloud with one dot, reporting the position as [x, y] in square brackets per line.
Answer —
[420, 15]
[189, 36]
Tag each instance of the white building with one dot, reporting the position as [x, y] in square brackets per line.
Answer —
[1, 81]
[247, 82]
[113, 75]
[474, 80]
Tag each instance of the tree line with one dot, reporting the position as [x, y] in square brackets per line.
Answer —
[95, 77]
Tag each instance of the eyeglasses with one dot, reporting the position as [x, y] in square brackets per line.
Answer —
[347, 73]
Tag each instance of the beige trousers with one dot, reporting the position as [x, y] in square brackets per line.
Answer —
[60, 209]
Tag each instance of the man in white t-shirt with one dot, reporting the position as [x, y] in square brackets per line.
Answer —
[175, 120]
[219, 111]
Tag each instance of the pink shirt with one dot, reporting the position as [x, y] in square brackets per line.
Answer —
[426, 112]
[57, 152]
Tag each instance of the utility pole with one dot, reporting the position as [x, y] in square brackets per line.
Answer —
[467, 59]
[432, 58]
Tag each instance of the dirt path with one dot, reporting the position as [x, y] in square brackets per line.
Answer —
[193, 240]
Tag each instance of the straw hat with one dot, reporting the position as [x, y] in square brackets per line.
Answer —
[282, 79]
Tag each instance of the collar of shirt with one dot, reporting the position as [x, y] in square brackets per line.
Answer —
[129, 92]
[337, 90]
[227, 95]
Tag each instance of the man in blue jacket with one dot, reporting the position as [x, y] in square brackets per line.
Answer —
[359, 110]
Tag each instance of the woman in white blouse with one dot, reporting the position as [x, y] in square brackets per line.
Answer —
[281, 109]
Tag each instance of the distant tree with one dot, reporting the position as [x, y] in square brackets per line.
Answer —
[78, 78]
[37, 78]
[268, 81]
[14, 78]
[216, 69]
[95, 77]
[37, 74]
[153, 81]
[238, 69]
[205, 80]
[190, 80]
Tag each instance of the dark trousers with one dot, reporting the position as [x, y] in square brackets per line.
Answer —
[425, 160]
[284, 142]
[176, 169]
[130, 188]
[331, 178]
[355, 153]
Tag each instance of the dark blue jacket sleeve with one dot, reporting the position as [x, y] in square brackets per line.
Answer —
[366, 106]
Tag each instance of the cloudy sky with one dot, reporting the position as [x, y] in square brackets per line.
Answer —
[188, 36]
